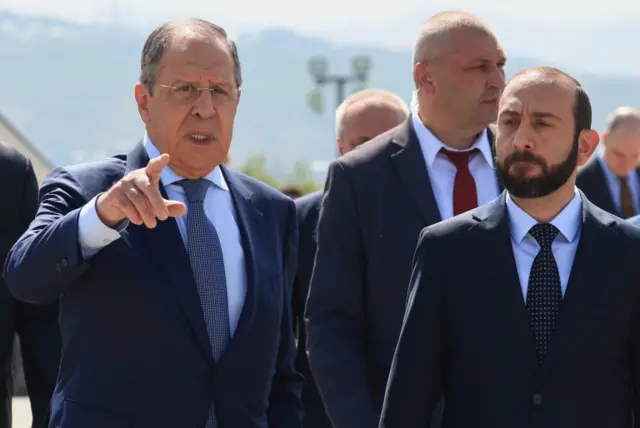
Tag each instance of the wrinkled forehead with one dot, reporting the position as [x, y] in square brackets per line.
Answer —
[535, 96]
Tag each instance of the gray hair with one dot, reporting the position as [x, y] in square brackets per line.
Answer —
[161, 38]
[368, 95]
[619, 116]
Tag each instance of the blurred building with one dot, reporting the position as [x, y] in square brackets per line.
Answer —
[10, 135]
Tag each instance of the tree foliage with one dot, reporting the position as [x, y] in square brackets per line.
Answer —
[257, 167]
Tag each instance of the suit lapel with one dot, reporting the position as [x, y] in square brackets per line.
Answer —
[503, 273]
[167, 251]
[410, 166]
[585, 281]
[247, 219]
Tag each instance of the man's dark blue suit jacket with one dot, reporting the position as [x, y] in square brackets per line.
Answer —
[135, 347]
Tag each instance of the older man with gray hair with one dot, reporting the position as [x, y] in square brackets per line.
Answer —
[361, 117]
[611, 179]
[176, 272]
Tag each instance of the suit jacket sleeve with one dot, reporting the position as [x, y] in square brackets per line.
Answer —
[634, 349]
[415, 380]
[285, 405]
[335, 318]
[47, 257]
[29, 196]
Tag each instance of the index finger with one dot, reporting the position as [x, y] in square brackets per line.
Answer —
[155, 166]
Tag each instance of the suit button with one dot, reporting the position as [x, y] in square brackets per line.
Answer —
[537, 399]
[62, 263]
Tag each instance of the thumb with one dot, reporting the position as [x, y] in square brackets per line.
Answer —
[155, 167]
[175, 208]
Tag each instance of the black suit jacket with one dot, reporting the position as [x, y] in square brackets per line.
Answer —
[467, 332]
[308, 209]
[37, 326]
[592, 181]
[377, 200]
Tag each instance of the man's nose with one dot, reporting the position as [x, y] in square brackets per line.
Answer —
[204, 107]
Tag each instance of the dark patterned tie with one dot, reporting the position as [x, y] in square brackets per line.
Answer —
[544, 292]
[465, 196]
[207, 265]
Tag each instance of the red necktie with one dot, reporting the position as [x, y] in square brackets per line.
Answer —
[465, 196]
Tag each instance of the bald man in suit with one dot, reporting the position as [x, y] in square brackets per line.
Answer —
[361, 117]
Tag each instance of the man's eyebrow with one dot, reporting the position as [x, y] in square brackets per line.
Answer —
[535, 114]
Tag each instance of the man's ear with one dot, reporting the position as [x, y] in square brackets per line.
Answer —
[141, 93]
[587, 144]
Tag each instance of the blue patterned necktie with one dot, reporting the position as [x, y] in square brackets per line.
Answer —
[544, 292]
[207, 265]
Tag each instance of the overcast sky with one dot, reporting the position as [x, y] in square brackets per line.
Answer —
[307, 15]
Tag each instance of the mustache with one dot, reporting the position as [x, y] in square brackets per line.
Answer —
[523, 157]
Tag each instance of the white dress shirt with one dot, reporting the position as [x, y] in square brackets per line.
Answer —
[218, 205]
[526, 248]
[613, 184]
[442, 172]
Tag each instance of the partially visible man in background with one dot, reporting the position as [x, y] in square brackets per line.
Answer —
[611, 179]
[378, 198]
[359, 118]
[36, 325]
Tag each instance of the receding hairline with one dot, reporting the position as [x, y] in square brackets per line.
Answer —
[620, 117]
[182, 31]
[533, 76]
[440, 27]
[378, 97]
[543, 74]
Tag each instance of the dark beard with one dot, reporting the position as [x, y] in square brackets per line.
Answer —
[550, 180]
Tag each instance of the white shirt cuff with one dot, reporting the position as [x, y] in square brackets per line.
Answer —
[93, 234]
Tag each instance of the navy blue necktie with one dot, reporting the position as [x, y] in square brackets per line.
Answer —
[544, 292]
[207, 265]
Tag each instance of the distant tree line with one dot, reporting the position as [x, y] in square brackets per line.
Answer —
[300, 178]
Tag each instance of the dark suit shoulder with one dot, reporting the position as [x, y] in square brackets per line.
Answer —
[588, 170]
[110, 169]
[87, 179]
[11, 155]
[455, 226]
[308, 203]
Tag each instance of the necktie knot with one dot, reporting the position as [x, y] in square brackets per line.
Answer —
[544, 234]
[195, 190]
[459, 159]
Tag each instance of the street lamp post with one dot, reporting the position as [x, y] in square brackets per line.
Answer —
[318, 68]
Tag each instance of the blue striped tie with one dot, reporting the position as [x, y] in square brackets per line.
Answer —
[207, 265]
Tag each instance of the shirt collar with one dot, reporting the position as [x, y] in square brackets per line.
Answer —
[567, 221]
[431, 145]
[168, 176]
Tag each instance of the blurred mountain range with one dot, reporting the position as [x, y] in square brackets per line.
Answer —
[69, 88]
